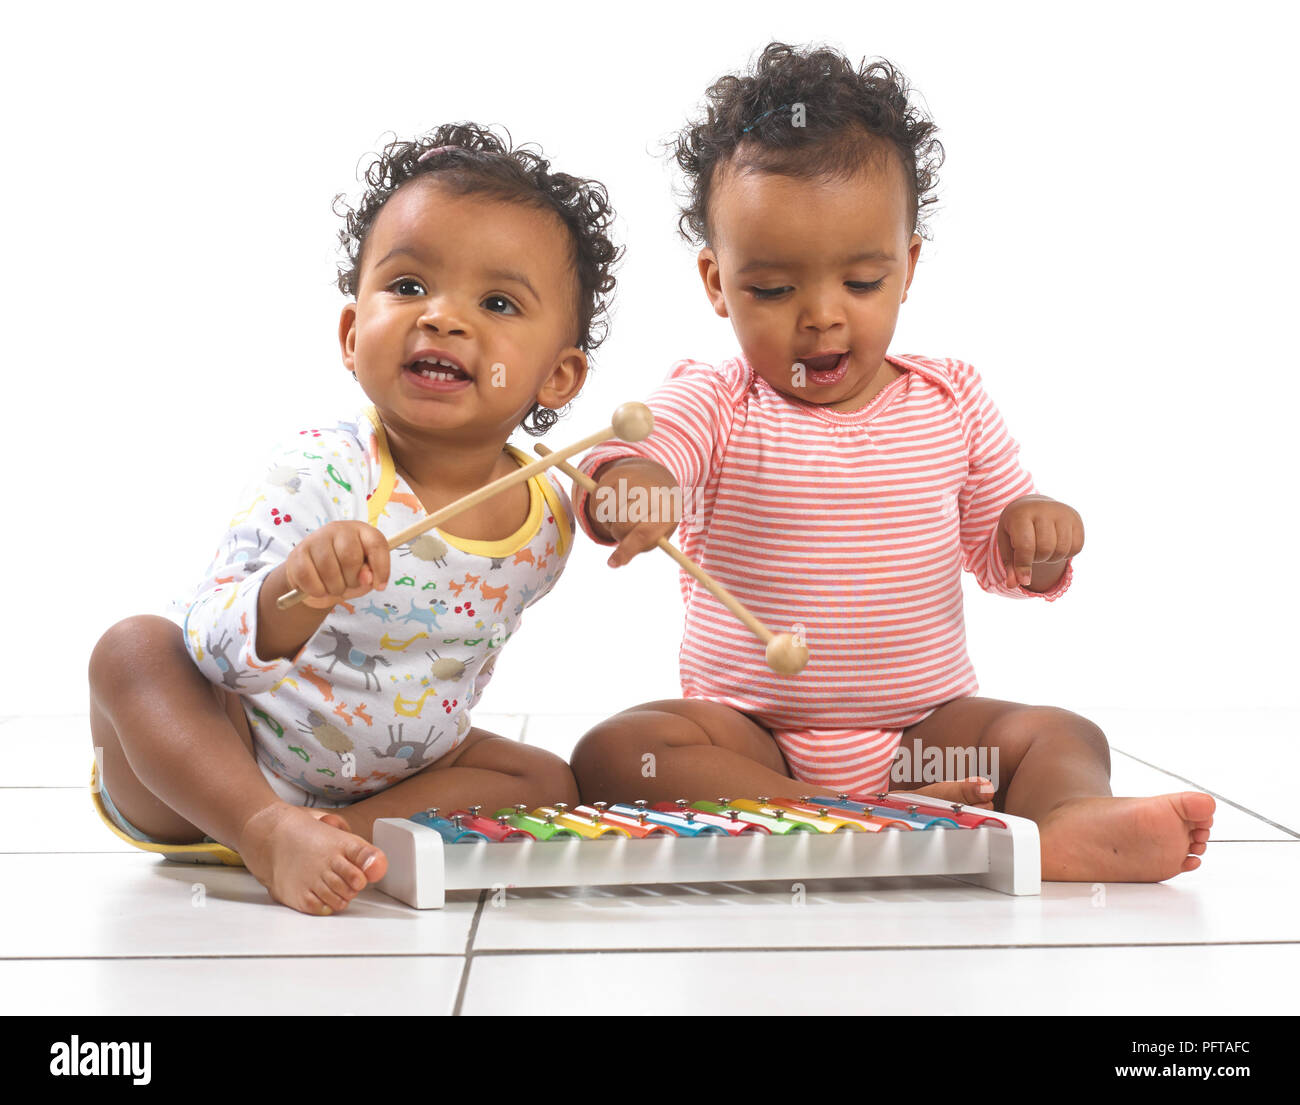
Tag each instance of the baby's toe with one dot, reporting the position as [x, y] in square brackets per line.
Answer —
[339, 885]
[362, 852]
[311, 903]
[1196, 808]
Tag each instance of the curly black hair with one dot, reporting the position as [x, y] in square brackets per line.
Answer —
[477, 161]
[849, 118]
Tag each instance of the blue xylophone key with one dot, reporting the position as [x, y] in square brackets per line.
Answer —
[902, 815]
[679, 823]
[451, 831]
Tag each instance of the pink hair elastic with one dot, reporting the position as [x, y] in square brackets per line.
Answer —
[434, 152]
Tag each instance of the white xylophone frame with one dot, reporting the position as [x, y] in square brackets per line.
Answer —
[422, 867]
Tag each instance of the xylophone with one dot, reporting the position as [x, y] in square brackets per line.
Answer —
[726, 840]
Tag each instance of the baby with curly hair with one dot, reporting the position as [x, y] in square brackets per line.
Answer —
[478, 282]
[843, 489]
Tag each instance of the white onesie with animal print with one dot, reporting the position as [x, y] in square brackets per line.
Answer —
[386, 684]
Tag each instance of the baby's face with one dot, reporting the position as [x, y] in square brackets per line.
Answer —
[812, 273]
[482, 284]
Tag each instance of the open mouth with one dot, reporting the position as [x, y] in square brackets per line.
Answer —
[430, 369]
[829, 368]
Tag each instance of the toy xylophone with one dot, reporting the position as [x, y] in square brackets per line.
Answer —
[727, 840]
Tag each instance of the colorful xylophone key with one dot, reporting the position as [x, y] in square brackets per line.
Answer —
[539, 828]
[868, 820]
[453, 831]
[729, 821]
[497, 829]
[678, 822]
[913, 820]
[964, 816]
[636, 824]
[586, 827]
[747, 810]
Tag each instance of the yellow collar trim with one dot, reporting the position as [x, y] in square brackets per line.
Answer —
[540, 492]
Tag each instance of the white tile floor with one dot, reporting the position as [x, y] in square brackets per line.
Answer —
[91, 926]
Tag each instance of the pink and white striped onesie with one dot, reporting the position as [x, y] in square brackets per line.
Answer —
[855, 525]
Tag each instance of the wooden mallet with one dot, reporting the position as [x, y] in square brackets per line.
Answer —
[785, 655]
[631, 422]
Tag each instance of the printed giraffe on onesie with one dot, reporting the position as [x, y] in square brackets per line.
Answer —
[386, 684]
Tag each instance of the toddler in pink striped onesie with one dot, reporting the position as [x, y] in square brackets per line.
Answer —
[840, 490]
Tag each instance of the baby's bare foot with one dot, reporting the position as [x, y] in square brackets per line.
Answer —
[1125, 839]
[309, 860]
[975, 791]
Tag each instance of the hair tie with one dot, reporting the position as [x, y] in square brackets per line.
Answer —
[434, 152]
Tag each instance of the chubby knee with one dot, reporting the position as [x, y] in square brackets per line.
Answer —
[131, 646]
[1021, 727]
[626, 737]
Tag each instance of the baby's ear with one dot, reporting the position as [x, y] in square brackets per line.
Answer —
[348, 336]
[566, 379]
[712, 277]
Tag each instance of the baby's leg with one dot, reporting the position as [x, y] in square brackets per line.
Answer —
[177, 761]
[681, 748]
[483, 770]
[1053, 767]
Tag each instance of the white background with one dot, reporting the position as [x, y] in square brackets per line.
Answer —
[1113, 250]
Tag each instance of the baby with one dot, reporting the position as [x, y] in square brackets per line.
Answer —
[479, 282]
[842, 490]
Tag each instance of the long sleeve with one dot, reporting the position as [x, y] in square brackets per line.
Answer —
[995, 480]
[304, 485]
[694, 410]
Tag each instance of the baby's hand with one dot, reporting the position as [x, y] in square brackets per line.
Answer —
[629, 492]
[341, 560]
[1037, 530]
[635, 537]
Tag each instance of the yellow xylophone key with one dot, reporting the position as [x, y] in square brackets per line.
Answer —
[827, 824]
[584, 826]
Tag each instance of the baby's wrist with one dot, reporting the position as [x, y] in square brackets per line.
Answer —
[630, 471]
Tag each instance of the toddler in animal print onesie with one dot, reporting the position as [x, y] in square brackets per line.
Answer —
[386, 685]
[478, 280]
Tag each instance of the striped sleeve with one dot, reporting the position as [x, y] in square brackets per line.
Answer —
[994, 481]
[694, 410]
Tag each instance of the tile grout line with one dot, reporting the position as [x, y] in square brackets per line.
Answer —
[1213, 794]
[775, 949]
[469, 955]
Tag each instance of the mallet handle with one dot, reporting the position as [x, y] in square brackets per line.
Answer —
[521, 475]
[714, 587]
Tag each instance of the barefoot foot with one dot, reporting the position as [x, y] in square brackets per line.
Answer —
[975, 791]
[309, 860]
[1125, 839]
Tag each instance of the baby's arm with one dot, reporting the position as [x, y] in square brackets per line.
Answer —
[693, 413]
[285, 537]
[994, 485]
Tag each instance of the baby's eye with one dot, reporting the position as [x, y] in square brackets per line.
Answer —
[769, 293]
[406, 282]
[500, 305]
[863, 286]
